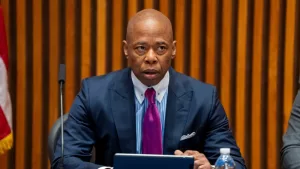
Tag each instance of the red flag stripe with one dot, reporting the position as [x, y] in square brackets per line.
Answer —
[3, 41]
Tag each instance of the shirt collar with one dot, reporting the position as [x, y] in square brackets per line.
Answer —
[140, 88]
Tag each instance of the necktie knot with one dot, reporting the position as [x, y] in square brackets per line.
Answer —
[150, 95]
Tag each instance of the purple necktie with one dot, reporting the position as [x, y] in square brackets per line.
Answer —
[152, 134]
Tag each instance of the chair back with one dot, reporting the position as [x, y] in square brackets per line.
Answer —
[53, 137]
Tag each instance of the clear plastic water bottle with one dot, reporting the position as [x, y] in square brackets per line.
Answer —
[225, 161]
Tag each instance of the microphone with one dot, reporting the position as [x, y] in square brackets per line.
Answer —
[61, 81]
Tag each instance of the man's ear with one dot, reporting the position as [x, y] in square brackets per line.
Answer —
[173, 49]
[125, 48]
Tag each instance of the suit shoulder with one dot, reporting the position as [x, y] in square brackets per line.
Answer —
[195, 84]
[204, 94]
[105, 80]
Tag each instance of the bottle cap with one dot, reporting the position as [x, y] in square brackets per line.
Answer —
[225, 150]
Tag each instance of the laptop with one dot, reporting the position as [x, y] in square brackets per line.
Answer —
[149, 161]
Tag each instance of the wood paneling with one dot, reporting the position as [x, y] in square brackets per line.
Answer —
[70, 50]
[148, 4]
[196, 28]
[21, 115]
[37, 86]
[226, 56]
[180, 35]
[247, 49]
[54, 64]
[132, 8]
[101, 36]
[117, 37]
[85, 38]
[241, 73]
[273, 73]
[164, 7]
[256, 117]
[210, 74]
[289, 55]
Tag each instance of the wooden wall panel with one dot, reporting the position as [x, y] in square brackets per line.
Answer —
[273, 75]
[52, 66]
[240, 74]
[210, 74]
[101, 37]
[247, 49]
[226, 56]
[21, 114]
[164, 7]
[117, 36]
[85, 39]
[256, 117]
[289, 66]
[54, 47]
[70, 52]
[148, 4]
[132, 8]
[4, 161]
[196, 29]
[180, 35]
[37, 82]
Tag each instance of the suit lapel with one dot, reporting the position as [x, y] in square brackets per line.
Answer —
[122, 104]
[178, 106]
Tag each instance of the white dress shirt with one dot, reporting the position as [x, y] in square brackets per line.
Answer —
[161, 90]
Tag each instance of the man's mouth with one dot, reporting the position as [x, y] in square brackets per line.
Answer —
[150, 74]
[150, 71]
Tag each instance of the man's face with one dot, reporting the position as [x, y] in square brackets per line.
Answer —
[150, 49]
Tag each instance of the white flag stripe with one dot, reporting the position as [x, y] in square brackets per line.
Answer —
[5, 101]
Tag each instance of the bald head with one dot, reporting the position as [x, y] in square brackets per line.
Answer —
[149, 46]
[147, 20]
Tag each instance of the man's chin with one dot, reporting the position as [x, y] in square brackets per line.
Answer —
[150, 80]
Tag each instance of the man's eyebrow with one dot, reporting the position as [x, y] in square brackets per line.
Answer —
[139, 43]
[145, 43]
[161, 43]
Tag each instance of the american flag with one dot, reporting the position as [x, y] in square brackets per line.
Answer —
[6, 135]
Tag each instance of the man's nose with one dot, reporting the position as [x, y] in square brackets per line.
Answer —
[151, 57]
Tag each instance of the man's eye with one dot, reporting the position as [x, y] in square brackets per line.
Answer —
[161, 48]
[141, 48]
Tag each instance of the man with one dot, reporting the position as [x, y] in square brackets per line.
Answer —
[290, 153]
[147, 108]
